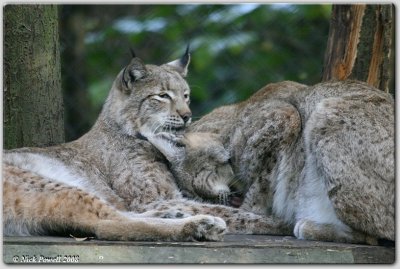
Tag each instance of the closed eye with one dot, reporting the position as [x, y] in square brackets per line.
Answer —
[164, 95]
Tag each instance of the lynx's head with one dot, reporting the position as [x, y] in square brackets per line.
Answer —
[147, 99]
[200, 164]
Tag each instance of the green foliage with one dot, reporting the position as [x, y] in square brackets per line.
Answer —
[236, 49]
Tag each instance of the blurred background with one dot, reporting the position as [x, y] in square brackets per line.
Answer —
[236, 49]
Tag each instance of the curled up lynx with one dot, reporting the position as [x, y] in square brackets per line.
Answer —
[321, 158]
[112, 182]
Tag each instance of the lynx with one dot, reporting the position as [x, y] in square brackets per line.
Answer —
[112, 182]
[321, 158]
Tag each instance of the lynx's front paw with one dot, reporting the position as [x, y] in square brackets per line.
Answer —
[203, 227]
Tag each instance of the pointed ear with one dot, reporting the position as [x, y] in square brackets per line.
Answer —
[181, 65]
[134, 71]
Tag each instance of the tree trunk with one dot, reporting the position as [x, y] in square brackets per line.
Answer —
[361, 45]
[33, 108]
[74, 70]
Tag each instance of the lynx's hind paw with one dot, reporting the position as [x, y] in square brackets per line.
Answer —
[311, 230]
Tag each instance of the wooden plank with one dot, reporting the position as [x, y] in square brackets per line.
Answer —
[255, 249]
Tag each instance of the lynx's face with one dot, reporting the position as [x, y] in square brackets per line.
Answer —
[149, 99]
[209, 175]
[201, 165]
[164, 101]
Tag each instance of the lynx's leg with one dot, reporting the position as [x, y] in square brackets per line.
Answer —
[237, 220]
[200, 227]
[349, 183]
[33, 205]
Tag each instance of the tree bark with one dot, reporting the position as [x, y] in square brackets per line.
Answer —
[361, 45]
[33, 108]
[74, 70]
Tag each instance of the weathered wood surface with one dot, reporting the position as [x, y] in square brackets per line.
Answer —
[253, 249]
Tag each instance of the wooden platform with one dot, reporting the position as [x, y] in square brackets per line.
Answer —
[254, 249]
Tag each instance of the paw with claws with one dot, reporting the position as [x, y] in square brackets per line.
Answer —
[204, 227]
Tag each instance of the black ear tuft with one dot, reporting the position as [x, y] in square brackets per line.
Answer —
[132, 52]
[181, 65]
[186, 57]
